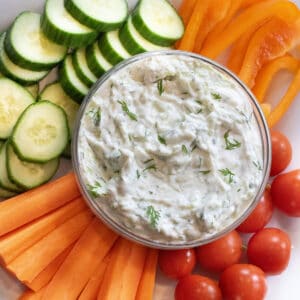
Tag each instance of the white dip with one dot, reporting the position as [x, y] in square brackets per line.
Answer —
[170, 148]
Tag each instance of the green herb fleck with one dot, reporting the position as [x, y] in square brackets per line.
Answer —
[226, 172]
[238, 190]
[199, 111]
[160, 87]
[94, 189]
[138, 175]
[161, 139]
[231, 144]
[257, 165]
[125, 108]
[193, 145]
[151, 167]
[184, 149]
[148, 160]
[199, 102]
[205, 172]
[153, 215]
[216, 96]
[95, 114]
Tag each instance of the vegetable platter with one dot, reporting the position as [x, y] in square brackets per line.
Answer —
[286, 285]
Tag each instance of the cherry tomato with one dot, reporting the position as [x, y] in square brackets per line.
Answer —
[243, 281]
[270, 249]
[177, 263]
[260, 216]
[285, 191]
[281, 152]
[222, 253]
[195, 287]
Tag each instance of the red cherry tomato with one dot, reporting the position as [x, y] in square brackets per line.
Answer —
[195, 287]
[270, 249]
[222, 253]
[281, 152]
[243, 281]
[260, 216]
[177, 263]
[285, 191]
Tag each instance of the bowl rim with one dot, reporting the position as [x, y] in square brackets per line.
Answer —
[122, 230]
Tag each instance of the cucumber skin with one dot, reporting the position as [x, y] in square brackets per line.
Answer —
[146, 32]
[6, 194]
[19, 60]
[67, 86]
[108, 52]
[128, 42]
[86, 20]
[93, 63]
[60, 37]
[79, 73]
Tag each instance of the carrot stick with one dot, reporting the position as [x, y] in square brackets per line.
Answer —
[267, 73]
[36, 258]
[276, 115]
[124, 271]
[186, 9]
[188, 40]
[15, 242]
[147, 282]
[47, 274]
[30, 295]
[37, 202]
[79, 266]
[91, 289]
[266, 108]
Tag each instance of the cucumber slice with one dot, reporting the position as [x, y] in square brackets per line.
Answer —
[135, 43]
[14, 99]
[33, 90]
[81, 68]
[13, 71]
[5, 182]
[28, 47]
[4, 194]
[55, 94]
[26, 174]
[101, 15]
[112, 48]
[158, 22]
[41, 133]
[71, 83]
[59, 26]
[96, 61]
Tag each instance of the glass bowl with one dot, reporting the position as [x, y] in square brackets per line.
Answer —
[129, 233]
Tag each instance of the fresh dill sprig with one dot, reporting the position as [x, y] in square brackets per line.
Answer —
[227, 173]
[125, 108]
[231, 144]
[95, 114]
[153, 216]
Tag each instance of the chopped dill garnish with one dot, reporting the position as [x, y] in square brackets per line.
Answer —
[257, 165]
[184, 149]
[205, 172]
[148, 160]
[138, 175]
[94, 189]
[227, 173]
[125, 108]
[151, 167]
[160, 87]
[216, 96]
[161, 139]
[230, 144]
[153, 216]
[95, 114]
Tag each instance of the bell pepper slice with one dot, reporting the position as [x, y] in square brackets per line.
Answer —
[266, 108]
[270, 41]
[248, 18]
[267, 73]
[279, 111]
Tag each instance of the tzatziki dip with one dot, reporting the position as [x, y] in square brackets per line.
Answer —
[169, 148]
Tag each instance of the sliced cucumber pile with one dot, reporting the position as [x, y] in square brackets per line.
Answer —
[158, 22]
[27, 46]
[71, 83]
[14, 99]
[134, 42]
[59, 26]
[33, 89]
[112, 48]
[101, 15]
[41, 133]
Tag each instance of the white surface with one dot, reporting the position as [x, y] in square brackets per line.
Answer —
[284, 286]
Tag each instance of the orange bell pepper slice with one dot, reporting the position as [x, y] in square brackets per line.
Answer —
[266, 108]
[248, 18]
[270, 41]
[188, 40]
[217, 10]
[265, 76]
[279, 111]
[186, 9]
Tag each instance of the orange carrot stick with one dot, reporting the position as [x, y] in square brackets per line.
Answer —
[37, 202]
[91, 289]
[276, 115]
[124, 271]
[79, 266]
[15, 242]
[188, 40]
[267, 73]
[248, 18]
[247, 3]
[36, 258]
[147, 282]
[266, 108]
[186, 9]
[30, 295]
[46, 275]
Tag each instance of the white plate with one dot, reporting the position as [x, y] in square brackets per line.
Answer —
[284, 286]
